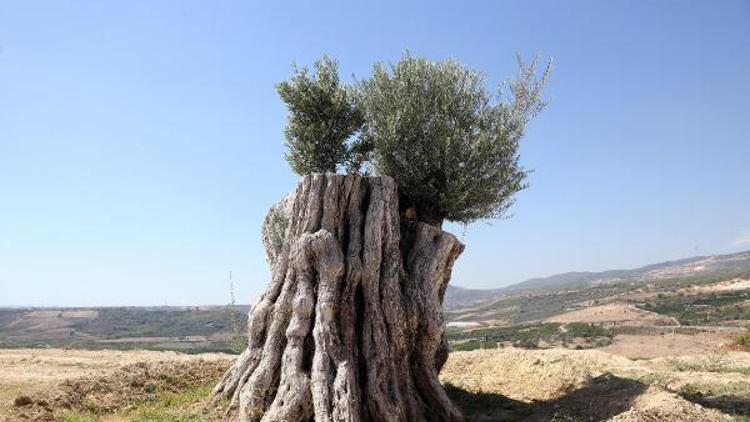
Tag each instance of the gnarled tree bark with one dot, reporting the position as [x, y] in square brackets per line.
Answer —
[350, 327]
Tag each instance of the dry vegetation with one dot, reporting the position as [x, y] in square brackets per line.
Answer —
[52, 384]
[489, 385]
[614, 313]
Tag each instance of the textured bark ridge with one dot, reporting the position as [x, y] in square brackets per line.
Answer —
[350, 327]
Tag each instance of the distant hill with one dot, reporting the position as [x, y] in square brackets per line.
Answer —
[190, 329]
[457, 297]
[210, 328]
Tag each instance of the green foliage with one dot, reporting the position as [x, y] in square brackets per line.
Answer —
[278, 223]
[452, 147]
[322, 116]
[702, 309]
[513, 333]
[744, 338]
[473, 345]
[166, 400]
[238, 341]
[174, 406]
[529, 336]
[433, 126]
[529, 343]
[581, 329]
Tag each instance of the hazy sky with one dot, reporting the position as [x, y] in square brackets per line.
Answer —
[141, 141]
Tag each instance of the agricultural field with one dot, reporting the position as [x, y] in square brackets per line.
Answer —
[702, 306]
[187, 329]
[573, 335]
[637, 319]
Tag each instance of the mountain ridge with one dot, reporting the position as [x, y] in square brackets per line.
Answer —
[736, 262]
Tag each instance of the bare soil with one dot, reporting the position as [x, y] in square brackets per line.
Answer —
[724, 286]
[572, 385]
[614, 313]
[488, 385]
[653, 346]
[29, 372]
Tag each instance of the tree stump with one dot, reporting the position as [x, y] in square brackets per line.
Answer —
[350, 327]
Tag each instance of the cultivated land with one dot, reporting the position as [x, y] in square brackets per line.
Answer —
[688, 306]
[189, 329]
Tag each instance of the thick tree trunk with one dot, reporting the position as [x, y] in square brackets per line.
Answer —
[350, 327]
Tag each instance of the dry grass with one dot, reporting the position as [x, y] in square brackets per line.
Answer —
[615, 312]
[137, 390]
[670, 344]
[28, 371]
[724, 286]
[489, 385]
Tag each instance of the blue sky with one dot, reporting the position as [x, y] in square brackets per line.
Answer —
[141, 142]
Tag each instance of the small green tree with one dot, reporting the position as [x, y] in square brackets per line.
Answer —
[238, 340]
[322, 117]
[452, 146]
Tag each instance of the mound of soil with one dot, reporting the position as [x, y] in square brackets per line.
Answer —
[526, 375]
[565, 385]
[130, 384]
[657, 404]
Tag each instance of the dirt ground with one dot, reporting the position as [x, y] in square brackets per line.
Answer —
[577, 385]
[669, 344]
[725, 286]
[27, 371]
[614, 313]
[508, 384]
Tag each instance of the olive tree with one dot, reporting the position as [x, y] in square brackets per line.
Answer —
[450, 144]
[322, 117]
[350, 326]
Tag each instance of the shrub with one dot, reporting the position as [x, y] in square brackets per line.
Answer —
[529, 343]
[472, 345]
[744, 338]
[586, 330]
